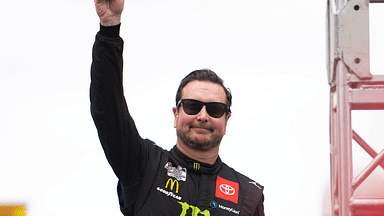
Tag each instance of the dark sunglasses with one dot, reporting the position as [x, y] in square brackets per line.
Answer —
[214, 109]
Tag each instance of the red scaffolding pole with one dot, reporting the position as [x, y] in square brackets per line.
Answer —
[352, 87]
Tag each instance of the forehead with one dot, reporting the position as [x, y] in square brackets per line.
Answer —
[204, 91]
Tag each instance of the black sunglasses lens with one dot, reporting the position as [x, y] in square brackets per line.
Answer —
[192, 107]
[216, 110]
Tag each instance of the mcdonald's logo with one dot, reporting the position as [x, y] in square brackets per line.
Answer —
[196, 166]
[173, 183]
[12, 210]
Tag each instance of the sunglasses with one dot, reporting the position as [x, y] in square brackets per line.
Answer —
[214, 109]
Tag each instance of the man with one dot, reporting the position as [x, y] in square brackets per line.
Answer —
[190, 179]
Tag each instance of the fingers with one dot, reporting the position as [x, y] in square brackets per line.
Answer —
[97, 2]
[109, 11]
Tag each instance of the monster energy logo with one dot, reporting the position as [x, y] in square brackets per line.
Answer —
[195, 210]
[196, 166]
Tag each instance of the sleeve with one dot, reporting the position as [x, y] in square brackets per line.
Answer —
[124, 148]
[260, 207]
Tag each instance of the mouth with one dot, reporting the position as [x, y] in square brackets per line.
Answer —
[201, 129]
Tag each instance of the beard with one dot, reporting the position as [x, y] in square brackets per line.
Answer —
[199, 144]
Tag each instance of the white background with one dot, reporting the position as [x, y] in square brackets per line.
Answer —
[272, 54]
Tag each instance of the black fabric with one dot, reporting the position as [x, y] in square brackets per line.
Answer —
[110, 31]
[128, 194]
[154, 181]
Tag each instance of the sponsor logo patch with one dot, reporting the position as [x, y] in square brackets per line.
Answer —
[171, 183]
[256, 184]
[196, 166]
[169, 193]
[195, 210]
[231, 210]
[227, 190]
[178, 173]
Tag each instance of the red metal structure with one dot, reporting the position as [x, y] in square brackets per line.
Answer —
[352, 87]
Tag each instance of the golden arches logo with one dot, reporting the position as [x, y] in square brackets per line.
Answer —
[173, 183]
[12, 210]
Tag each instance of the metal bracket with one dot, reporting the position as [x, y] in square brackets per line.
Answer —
[348, 38]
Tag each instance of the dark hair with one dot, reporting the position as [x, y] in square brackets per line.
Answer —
[203, 75]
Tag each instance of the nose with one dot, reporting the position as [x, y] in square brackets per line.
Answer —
[203, 115]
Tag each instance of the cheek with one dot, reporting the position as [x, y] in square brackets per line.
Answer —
[221, 126]
[182, 120]
[175, 122]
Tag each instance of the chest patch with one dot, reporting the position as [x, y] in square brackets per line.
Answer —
[227, 190]
[178, 173]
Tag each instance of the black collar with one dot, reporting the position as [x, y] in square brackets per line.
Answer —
[194, 165]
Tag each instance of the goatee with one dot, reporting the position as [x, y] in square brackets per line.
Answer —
[203, 145]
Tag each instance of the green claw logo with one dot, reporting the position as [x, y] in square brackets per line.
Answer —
[195, 210]
[196, 166]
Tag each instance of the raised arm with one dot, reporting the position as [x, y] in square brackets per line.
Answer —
[122, 144]
[109, 11]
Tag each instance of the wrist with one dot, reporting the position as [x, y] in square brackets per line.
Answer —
[110, 21]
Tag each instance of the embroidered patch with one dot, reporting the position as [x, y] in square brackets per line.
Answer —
[227, 190]
[179, 172]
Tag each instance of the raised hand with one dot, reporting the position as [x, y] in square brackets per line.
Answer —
[109, 11]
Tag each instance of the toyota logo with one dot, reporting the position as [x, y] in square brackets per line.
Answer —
[227, 189]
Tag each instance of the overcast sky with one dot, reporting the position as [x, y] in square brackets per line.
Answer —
[271, 54]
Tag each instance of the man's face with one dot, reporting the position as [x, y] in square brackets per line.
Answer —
[201, 131]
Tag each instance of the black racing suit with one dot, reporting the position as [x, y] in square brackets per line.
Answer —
[154, 181]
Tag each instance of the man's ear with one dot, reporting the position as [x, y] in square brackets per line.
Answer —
[176, 114]
[226, 122]
[228, 116]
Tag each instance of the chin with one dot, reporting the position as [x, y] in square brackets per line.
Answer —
[199, 142]
[202, 145]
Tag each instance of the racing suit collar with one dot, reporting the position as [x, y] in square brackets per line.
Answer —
[194, 165]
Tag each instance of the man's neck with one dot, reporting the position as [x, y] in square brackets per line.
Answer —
[208, 157]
